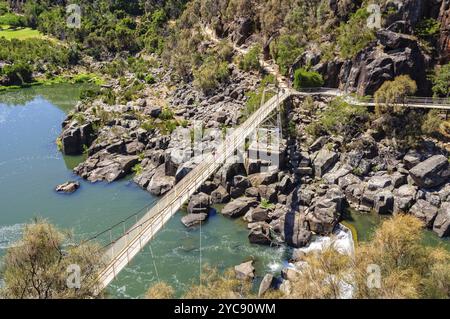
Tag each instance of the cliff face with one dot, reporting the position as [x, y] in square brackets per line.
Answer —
[396, 49]
[444, 40]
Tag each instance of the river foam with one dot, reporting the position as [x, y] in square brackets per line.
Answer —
[10, 234]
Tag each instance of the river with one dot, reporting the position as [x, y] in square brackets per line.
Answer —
[31, 166]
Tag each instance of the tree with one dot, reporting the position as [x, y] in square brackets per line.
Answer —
[210, 74]
[17, 74]
[250, 61]
[285, 50]
[307, 79]
[441, 81]
[39, 265]
[408, 269]
[392, 94]
[355, 34]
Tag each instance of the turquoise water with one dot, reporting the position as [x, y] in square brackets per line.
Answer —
[364, 224]
[31, 167]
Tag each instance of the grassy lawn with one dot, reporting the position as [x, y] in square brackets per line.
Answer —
[19, 33]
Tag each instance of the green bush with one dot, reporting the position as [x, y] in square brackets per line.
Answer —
[340, 118]
[166, 114]
[211, 74]
[150, 79]
[441, 81]
[4, 7]
[250, 61]
[12, 20]
[355, 34]
[17, 74]
[307, 79]
[285, 51]
[427, 28]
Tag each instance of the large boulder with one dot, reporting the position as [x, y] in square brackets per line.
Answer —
[260, 234]
[194, 219]
[187, 167]
[265, 285]
[258, 214]
[245, 271]
[323, 161]
[425, 212]
[199, 203]
[243, 28]
[384, 202]
[68, 187]
[143, 179]
[404, 198]
[268, 192]
[325, 212]
[264, 178]
[75, 137]
[239, 207]
[441, 224]
[220, 195]
[376, 183]
[160, 182]
[106, 167]
[432, 172]
[294, 232]
[230, 169]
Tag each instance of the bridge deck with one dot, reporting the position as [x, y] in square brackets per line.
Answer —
[121, 252]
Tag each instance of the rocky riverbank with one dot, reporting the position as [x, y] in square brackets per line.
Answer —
[301, 196]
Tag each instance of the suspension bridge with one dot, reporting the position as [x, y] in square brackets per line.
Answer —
[119, 252]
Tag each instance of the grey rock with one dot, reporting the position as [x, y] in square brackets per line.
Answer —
[441, 224]
[324, 160]
[160, 182]
[220, 195]
[245, 271]
[384, 202]
[266, 284]
[239, 207]
[68, 187]
[432, 172]
[264, 178]
[425, 212]
[194, 219]
[260, 234]
[199, 203]
[404, 198]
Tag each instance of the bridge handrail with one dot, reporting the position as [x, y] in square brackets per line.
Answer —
[209, 165]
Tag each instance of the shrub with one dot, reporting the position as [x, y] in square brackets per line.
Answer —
[340, 118]
[441, 81]
[307, 79]
[285, 51]
[392, 93]
[17, 74]
[12, 20]
[150, 79]
[36, 268]
[137, 169]
[250, 61]
[432, 123]
[428, 28]
[166, 114]
[355, 34]
[210, 74]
